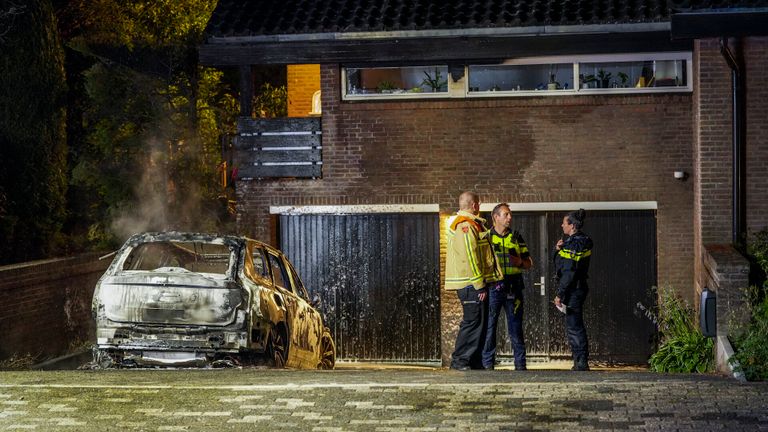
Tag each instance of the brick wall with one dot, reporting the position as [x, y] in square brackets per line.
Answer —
[303, 82]
[726, 272]
[756, 54]
[46, 305]
[713, 146]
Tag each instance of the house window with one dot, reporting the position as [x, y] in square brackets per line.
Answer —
[395, 82]
[523, 78]
[634, 74]
[536, 76]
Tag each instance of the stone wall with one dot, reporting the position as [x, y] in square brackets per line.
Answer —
[46, 305]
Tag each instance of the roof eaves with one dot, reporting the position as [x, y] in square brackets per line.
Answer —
[469, 32]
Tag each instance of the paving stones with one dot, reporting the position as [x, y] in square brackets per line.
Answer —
[380, 400]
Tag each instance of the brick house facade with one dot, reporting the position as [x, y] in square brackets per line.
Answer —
[589, 148]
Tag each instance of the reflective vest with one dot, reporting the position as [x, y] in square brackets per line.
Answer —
[469, 259]
[511, 244]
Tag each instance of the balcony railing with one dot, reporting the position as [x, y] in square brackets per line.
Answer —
[279, 147]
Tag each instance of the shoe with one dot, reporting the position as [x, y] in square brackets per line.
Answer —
[489, 367]
[462, 368]
[580, 367]
[521, 368]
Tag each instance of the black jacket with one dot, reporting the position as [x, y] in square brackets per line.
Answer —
[572, 264]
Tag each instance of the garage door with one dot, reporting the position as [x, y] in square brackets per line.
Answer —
[622, 273]
[378, 276]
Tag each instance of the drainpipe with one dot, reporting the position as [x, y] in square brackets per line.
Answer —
[735, 62]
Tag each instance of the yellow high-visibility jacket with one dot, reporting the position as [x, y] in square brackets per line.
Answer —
[469, 258]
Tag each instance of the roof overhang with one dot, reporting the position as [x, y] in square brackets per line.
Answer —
[440, 45]
[715, 23]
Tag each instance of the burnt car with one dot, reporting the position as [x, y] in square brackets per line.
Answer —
[195, 299]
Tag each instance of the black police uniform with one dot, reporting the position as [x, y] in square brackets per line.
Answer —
[572, 264]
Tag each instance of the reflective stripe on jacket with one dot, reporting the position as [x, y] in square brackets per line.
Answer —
[469, 259]
[572, 263]
[511, 244]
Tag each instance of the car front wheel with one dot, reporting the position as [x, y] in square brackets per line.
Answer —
[327, 352]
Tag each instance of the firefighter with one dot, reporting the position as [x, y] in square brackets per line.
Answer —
[470, 265]
[572, 256]
[513, 257]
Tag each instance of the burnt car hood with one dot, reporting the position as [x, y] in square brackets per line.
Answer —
[170, 298]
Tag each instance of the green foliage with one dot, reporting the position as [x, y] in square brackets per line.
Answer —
[436, 82]
[683, 348]
[271, 101]
[32, 135]
[751, 349]
[758, 251]
[152, 154]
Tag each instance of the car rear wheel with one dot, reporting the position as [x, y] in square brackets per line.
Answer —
[327, 352]
[277, 349]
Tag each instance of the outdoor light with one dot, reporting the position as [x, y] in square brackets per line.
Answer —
[681, 175]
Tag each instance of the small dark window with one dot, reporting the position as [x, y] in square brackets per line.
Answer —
[300, 290]
[259, 263]
[278, 270]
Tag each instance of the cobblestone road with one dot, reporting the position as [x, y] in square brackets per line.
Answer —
[376, 400]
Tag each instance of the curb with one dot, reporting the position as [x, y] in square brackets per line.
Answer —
[723, 353]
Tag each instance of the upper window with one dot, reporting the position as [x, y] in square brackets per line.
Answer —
[536, 76]
[414, 81]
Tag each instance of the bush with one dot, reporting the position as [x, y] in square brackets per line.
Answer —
[683, 348]
[750, 343]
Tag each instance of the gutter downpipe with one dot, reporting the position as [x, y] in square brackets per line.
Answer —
[736, 64]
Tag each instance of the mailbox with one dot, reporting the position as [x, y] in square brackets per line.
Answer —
[708, 313]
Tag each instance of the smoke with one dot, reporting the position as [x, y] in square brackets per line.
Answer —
[168, 194]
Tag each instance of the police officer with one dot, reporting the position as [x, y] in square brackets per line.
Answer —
[513, 257]
[469, 266]
[572, 255]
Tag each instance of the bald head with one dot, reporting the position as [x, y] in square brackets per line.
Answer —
[467, 201]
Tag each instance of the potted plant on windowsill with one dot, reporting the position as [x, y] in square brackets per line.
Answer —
[386, 87]
[587, 80]
[604, 78]
[435, 83]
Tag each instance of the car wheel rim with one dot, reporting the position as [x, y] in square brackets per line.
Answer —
[277, 348]
[328, 358]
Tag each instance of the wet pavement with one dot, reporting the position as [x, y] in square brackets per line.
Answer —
[377, 399]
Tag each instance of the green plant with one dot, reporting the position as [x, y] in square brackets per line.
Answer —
[271, 101]
[604, 78]
[436, 83]
[751, 351]
[588, 79]
[623, 77]
[683, 348]
[385, 86]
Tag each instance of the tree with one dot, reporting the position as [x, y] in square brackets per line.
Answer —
[32, 132]
[153, 118]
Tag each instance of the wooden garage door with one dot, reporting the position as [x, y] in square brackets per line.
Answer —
[378, 276]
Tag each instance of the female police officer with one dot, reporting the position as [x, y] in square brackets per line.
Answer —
[572, 255]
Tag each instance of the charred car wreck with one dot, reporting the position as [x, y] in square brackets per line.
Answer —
[194, 299]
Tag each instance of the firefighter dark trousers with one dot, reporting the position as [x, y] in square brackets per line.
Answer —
[574, 325]
[471, 337]
[513, 309]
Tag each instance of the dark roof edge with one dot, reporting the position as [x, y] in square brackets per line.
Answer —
[470, 32]
[710, 23]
